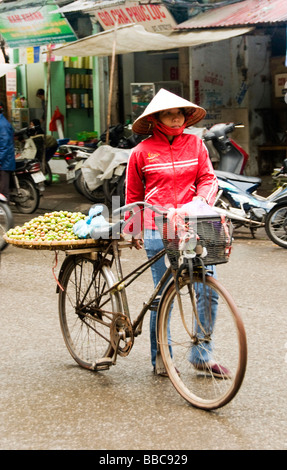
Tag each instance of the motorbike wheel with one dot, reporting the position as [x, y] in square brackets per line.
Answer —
[276, 224]
[48, 174]
[115, 186]
[121, 189]
[6, 222]
[79, 182]
[97, 195]
[29, 199]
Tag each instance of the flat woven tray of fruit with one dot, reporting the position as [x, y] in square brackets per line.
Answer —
[51, 231]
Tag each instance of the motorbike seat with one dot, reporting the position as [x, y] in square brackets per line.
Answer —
[21, 164]
[234, 177]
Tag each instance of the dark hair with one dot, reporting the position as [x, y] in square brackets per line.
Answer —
[37, 128]
[1, 108]
[40, 92]
[36, 122]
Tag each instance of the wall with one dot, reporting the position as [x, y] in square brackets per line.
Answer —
[278, 68]
[259, 95]
[35, 80]
[128, 61]
[230, 79]
[147, 67]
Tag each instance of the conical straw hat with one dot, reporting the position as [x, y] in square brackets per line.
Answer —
[166, 100]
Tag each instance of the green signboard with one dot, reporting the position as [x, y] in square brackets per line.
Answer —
[34, 25]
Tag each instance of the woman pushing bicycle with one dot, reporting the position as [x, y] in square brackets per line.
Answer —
[169, 169]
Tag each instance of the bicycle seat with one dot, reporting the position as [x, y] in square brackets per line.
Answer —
[107, 231]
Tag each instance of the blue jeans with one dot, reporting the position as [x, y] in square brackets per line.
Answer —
[153, 244]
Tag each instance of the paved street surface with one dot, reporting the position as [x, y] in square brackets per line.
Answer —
[49, 402]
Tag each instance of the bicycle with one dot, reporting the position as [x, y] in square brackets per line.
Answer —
[96, 323]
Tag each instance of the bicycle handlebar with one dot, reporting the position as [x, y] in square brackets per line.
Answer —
[131, 206]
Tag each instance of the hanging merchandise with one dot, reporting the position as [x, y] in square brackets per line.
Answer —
[57, 123]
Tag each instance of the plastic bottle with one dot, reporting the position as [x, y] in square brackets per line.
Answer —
[18, 103]
[23, 102]
[13, 100]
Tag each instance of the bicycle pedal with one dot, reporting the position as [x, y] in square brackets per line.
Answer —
[103, 364]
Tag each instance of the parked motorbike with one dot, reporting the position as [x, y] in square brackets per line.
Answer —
[224, 152]
[75, 156]
[237, 195]
[238, 199]
[6, 220]
[27, 183]
[34, 150]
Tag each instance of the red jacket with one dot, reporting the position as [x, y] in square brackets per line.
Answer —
[169, 175]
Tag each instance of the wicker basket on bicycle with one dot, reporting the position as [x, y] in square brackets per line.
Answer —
[213, 239]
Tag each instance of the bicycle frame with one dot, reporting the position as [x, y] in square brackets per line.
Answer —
[113, 248]
[125, 281]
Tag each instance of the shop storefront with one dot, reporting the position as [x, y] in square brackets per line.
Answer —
[68, 83]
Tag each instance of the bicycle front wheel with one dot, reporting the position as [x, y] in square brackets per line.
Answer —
[86, 312]
[202, 341]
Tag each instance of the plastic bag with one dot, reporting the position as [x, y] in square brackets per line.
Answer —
[83, 227]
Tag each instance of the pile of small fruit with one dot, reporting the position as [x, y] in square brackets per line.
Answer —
[52, 226]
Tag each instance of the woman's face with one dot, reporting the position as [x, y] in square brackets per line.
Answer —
[172, 117]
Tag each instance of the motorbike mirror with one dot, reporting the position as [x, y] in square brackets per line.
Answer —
[229, 128]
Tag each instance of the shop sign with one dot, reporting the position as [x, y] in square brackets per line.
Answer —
[154, 17]
[37, 25]
[280, 83]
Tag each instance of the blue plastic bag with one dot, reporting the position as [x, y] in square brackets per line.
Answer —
[83, 227]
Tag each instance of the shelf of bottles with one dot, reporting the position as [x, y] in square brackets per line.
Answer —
[20, 118]
[79, 83]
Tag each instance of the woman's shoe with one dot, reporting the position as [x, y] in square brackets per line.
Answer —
[163, 372]
[214, 369]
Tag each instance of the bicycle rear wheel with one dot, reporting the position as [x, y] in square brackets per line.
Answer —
[86, 313]
[184, 337]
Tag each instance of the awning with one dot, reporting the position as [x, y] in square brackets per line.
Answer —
[135, 38]
[244, 13]
[5, 68]
[85, 5]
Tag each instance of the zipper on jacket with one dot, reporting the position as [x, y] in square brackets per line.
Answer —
[174, 177]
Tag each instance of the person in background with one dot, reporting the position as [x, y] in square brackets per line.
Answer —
[169, 169]
[7, 153]
[50, 142]
[41, 95]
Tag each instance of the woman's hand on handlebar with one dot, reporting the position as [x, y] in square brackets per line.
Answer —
[137, 243]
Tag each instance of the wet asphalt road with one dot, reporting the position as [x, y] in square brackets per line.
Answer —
[50, 403]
